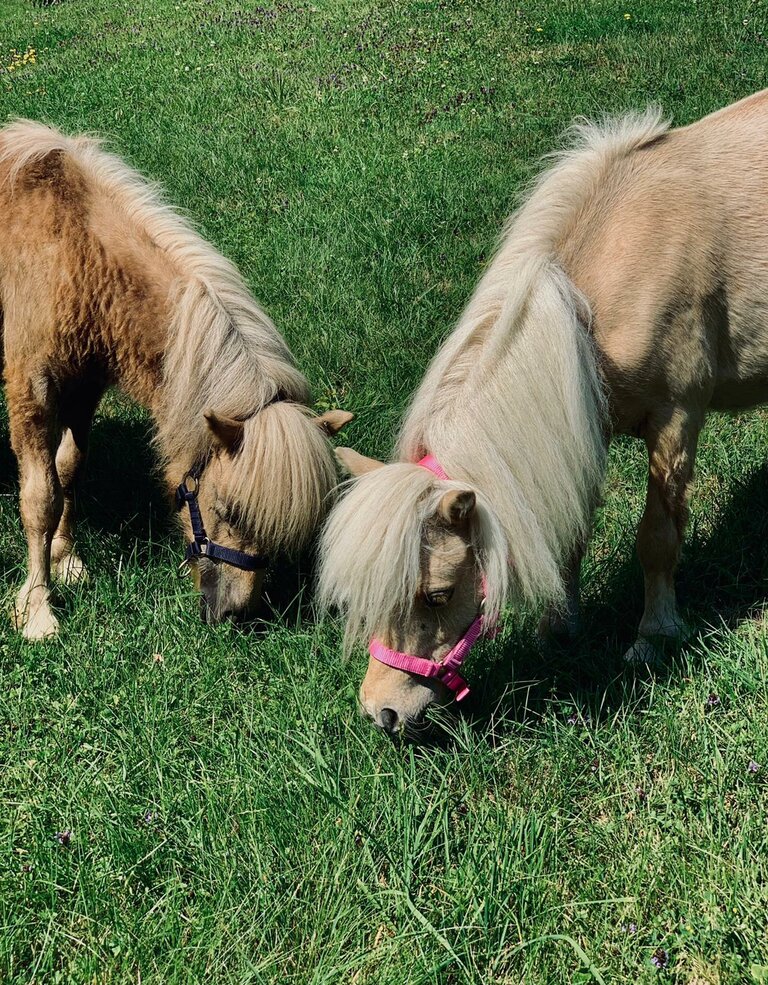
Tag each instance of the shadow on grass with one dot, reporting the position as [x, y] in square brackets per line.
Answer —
[722, 579]
[123, 497]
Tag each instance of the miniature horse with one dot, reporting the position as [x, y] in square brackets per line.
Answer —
[101, 284]
[629, 294]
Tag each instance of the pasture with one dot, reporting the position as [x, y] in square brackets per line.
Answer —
[180, 802]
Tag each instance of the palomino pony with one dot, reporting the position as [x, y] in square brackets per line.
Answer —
[100, 284]
[629, 294]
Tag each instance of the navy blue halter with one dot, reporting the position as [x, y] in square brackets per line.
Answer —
[201, 546]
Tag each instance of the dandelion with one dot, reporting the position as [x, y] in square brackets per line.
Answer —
[19, 60]
[627, 17]
[539, 28]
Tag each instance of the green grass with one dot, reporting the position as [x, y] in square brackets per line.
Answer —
[231, 818]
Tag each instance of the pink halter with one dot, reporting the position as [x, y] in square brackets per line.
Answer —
[446, 670]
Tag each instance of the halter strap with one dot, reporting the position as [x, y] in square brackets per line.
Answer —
[445, 670]
[201, 546]
[430, 463]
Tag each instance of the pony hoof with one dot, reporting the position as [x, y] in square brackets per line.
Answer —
[70, 570]
[642, 652]
[41, 624]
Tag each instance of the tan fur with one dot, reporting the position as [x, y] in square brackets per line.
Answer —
[629, 294]
[101, 283]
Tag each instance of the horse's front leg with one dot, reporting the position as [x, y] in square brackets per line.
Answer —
[34, 434]
[671, 444]
[70, 458]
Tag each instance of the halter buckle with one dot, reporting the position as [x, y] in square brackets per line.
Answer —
[455, 682]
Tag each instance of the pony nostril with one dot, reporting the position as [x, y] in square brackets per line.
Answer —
[388, 719]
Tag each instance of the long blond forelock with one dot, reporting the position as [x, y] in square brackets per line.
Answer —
[283, 477]
[371, 549]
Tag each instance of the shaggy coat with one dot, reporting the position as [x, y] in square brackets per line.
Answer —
[101, 284]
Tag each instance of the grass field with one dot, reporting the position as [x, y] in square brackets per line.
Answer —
[181, 803]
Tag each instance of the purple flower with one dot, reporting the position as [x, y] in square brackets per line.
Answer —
[712, 701]
[633, 928]
[64, 838]
[660, 958]
[753, 767]
[572, 719]
[642, 796]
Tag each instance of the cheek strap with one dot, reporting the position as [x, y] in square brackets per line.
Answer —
[445, 670]
[201, 546]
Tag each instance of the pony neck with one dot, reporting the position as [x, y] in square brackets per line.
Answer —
[513, 406]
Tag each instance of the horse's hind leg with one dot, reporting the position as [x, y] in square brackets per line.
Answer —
[70, 458]
[671, 443]
[34, 436]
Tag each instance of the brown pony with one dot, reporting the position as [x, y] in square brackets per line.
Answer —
[100, 284]
[629, 294]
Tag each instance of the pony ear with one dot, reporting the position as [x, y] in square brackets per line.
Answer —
[332, 421]
[355, 463]
[456, 506]
[227, 432]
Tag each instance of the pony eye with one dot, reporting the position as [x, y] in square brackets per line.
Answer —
[440, 596]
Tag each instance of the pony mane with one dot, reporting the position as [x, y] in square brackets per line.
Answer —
[512, 406]
[223, 352]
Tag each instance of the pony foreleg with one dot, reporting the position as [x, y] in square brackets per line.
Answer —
[67, 565]
[41, 506]
[560, 623]
[671, 453]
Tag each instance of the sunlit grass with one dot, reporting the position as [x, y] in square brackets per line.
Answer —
[186, 803]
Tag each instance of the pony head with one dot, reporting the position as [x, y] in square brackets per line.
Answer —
[406, 556]
[267, 485]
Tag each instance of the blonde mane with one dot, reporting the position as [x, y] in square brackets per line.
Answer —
[222, 353]
[512, 406]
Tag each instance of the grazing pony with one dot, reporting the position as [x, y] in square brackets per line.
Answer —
[629, 294]
[100, 284]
